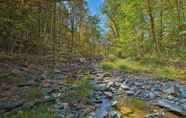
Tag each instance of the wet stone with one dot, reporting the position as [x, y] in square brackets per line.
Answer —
[114, 114]
[170, 88]
[182, 91]
[125, 87]
[9, 105]
[130, 93]
[108, 94]
[172, 106]
[146, 95]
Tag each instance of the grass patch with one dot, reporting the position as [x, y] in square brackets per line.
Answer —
[33, 94]
[41, 111]
[129, 107]
[132, 103]
[107, 65]
[80, 90]
[123, 67]
[153, 67]
[139, 104]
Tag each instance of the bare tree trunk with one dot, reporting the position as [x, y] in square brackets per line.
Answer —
[152, 27]
[161, 21]
[72, 29]
[54, 33]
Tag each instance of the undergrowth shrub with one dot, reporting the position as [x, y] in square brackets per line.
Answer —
[123, 67]
[33, 94]
[107, 65]
[112, 58]
[78, 90]
[41, 111]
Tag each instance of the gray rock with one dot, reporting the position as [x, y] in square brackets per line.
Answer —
[182, 91]
[9, 105]
[130, 93]
[171, 106]
[154, 115]
[62, 108]
[109, 84]
[108, 94]
[146, 95]
[101, 87]
[114, 114]
[156, 87]
[107, 75]
[91, 115]
[184, 106]
[114, 103]
[57, 70]
[170, 88]
[125, 87]
[170, 97]
[138, 84]
[59, 76]
[182, 101]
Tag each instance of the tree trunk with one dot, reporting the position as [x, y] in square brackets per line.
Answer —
[54, 33]
[152, 27]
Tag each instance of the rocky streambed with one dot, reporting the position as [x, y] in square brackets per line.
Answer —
[165, 98]
[162, 93]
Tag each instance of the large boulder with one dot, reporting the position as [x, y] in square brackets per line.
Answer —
[172, 106]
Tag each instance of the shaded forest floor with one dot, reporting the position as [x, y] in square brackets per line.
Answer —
[30, 89]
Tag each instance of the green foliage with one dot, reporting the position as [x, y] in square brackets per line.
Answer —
[112, 58]
[84, 88]
[131, 20]
[41, 111]
[33, 94]
[44, 27]
[107, 65]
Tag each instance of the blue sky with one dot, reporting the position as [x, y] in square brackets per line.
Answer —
[95, 6]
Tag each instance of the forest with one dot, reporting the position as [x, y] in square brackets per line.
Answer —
[92, 58]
